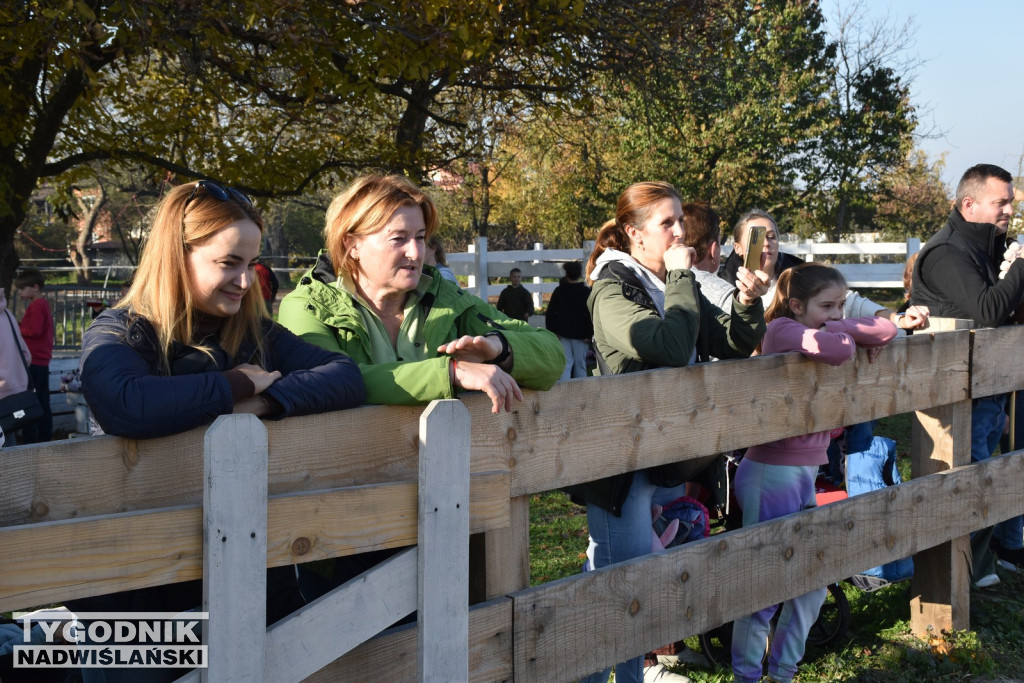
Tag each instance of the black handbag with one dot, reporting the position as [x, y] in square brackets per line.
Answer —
[22, 408]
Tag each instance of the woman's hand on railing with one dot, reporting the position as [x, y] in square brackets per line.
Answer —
[490, 379]
[260, 378]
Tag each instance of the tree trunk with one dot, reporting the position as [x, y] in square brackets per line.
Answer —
[8, 254]
[86, 226]
[409, 136]
[277, 245]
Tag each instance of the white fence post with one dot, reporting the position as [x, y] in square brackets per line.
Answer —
[588, 249]
[235, 548]
[538, 298]
[443, 542]
[482, 286]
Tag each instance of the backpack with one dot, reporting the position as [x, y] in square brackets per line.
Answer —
[870, 470]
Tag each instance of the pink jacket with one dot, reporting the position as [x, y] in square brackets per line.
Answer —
[835, 344]
[13, 377]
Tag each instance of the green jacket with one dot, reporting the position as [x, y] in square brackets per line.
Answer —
[324, 314]
[630, 335]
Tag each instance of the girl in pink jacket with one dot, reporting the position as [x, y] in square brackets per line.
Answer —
[777, 478]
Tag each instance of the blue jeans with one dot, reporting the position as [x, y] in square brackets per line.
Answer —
[616, 539]
[988, 416]
[575, 357]
[766, 492]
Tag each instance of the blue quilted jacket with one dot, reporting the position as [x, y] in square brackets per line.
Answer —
[131, 396]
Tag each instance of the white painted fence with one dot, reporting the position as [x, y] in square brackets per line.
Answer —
[537, 264]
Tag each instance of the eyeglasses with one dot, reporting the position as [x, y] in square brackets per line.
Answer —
[217, 192]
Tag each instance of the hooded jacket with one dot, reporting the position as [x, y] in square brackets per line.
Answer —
[631, 335]
[322, 313]
[131, 395]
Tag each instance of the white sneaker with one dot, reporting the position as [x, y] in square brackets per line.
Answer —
[1008, 566]
[987, 581]
[657, 673]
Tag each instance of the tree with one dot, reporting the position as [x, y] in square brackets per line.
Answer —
[722, 113]
[869, 120]
[912, 200]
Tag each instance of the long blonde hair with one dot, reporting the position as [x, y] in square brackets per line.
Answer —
[366, 207]
[161, 291]
[633, 208]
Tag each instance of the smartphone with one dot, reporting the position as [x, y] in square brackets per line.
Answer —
[753, 245]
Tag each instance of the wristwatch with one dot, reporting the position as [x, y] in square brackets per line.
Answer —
[505, 350]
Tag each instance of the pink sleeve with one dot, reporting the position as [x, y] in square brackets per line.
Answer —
[869, 331]
[785, 335]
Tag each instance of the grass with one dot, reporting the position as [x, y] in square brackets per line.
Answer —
[878, 646]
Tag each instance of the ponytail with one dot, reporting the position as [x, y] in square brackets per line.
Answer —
[611, 236]
[802, 283]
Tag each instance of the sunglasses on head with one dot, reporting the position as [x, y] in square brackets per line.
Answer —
[217, 192]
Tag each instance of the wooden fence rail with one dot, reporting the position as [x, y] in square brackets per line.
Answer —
[92, 516]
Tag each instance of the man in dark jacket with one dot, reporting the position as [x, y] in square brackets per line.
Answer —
[957, 276]
[515, 301]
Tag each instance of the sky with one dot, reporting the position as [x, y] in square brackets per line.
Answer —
[967, 86]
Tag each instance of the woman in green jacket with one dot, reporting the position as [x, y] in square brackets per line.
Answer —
[648, 312]
[416, 336]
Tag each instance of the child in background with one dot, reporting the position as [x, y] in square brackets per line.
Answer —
[37, 329]
[777, 478]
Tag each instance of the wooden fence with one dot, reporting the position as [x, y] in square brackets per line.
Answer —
[92, 516]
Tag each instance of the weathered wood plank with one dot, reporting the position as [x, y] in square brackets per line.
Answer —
[941, 585]
[443, 543]
[504, 554]
[333, 624]
[591, 428]
[394, 652]
[56, 561]
[234, 548]
[993, 366]
[569, 434]
[308, 453]
[571, 627]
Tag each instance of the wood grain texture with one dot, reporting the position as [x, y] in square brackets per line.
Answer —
[333, 624]
[995, 366]
[235, 548]
[941, 586]
[591, 428]
[443, 543]
[56, 561]
[392, 655]
[567, 628]
[104, 475]
[578, 431]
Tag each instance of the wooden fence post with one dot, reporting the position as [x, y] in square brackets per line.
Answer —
[235, 548]
[941, 587]
[443, 542]
[501, 558]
